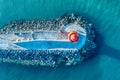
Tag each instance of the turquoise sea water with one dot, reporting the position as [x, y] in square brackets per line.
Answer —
[105, 14]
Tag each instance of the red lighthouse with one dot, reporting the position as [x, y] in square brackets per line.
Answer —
[73, 36]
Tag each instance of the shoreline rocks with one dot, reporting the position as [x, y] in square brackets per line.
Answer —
[49, 57]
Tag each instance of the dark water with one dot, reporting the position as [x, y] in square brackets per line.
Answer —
[105, 14]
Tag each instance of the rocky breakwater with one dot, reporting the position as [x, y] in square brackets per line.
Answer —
[51, 57]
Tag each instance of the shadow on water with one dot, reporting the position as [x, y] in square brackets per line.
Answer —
[104, 49]
[89, 70]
